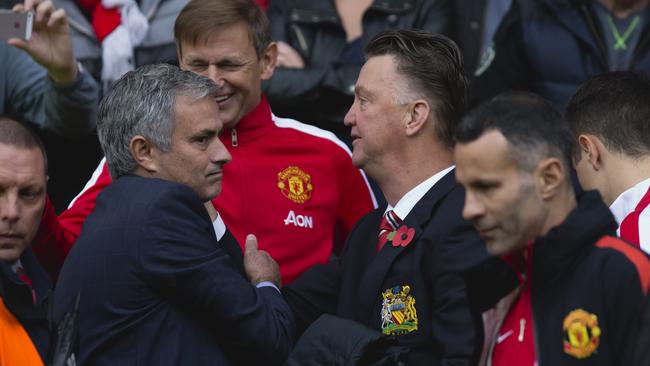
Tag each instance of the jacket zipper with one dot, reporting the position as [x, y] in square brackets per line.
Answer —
[233, 138]
[593, 27]
[641, 45]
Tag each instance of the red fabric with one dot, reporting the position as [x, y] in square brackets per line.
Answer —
[251, 200]
[103, 20]
[515, 344]
[630, 224]
[22, 275]
[56, 236]
[264, 4]
[386, 227]
[638, 258]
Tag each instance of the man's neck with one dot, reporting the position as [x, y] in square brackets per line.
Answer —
[622, 174]
[400, 176]
[563, 203]
[623, 8]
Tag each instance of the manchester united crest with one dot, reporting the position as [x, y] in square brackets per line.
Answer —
[581, 333]
[295, 184]
[398, 314]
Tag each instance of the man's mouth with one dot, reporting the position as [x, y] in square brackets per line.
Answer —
[223, 98]
[217, 173]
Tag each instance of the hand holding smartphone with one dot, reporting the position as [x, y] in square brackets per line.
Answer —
[15, 24]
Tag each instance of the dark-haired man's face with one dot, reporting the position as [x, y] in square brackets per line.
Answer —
[229, 59]
[22, 198]
[501, 201]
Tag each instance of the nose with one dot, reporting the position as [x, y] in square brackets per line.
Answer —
[349, 118]
[219, 154]
[473, 208]
[9, 208]
[215, 75]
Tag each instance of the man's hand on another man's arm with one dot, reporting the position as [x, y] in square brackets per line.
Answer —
[259, 265]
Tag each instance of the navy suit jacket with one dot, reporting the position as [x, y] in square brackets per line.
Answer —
[157, 289]
[354, 286]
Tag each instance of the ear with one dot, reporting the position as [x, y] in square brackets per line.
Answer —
[590, 149]
[143, 153]
[550, 176]
[416, 118]
[268, 60]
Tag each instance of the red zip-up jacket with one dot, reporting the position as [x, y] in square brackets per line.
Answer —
[290, 184]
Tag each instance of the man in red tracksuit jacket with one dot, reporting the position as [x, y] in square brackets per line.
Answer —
[290, 184]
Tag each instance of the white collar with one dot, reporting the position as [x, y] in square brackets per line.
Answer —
[405, 204]
[627, 201]
[219, 227]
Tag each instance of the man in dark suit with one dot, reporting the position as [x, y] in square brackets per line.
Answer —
[155, 286]
[399, 271]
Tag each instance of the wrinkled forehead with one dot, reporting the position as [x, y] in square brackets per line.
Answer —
[21, 165]
[235, 35]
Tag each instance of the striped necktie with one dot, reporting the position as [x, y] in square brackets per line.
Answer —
[389, 222]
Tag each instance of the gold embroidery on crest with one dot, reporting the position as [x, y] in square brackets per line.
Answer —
[581, 333]
[398, 314]
[295, 184]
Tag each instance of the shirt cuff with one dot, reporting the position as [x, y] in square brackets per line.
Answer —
[267, 284]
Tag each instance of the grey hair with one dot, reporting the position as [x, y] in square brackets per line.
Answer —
[142, 102]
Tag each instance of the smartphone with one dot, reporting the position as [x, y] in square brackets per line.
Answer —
[15, 25]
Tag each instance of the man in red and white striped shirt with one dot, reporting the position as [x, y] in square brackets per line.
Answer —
[610, 119]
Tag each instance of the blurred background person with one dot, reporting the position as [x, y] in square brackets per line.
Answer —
[44, 84]
[320, 51]
[550, 47]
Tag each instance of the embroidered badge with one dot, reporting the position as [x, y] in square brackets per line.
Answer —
[398, 314]
[295, 184]
[581, 333]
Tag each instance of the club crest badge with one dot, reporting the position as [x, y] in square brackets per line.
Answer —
[295, 184]
[398, 314]
[581, 334]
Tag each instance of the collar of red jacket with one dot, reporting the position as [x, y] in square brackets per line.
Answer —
[252, 126]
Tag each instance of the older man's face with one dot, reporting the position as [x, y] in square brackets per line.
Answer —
[22, 198]
[375, 117]
[196, 156]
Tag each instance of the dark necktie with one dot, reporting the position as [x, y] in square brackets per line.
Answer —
[22, 275]
[389, 223]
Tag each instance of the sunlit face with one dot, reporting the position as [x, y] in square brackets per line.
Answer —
[196, 156]
[375, 117]
[501, 200]
[22, 198]
[229, 59]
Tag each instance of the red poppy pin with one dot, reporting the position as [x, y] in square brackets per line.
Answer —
[402, 236]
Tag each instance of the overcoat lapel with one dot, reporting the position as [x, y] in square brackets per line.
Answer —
[379, 268]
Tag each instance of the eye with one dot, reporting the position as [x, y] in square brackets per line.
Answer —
[197, 66]
[30, 194]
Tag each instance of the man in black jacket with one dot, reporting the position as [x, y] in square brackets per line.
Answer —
[581, 291]
[399, 273]
[550, 47]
